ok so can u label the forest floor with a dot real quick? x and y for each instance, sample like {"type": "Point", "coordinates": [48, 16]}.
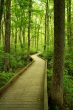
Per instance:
{"type": "Point", "coordinates": [26, 93]}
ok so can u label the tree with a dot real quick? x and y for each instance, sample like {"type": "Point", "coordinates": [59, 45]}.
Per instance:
{"type": "Point", "coordinates": [29, 24]}
{"type": "Point", "coordinates": [1, 13]}
{"type": "Point", "coordinates": [69, 35]}
{"type": "Point", "coordinates": [7, 35]}
{"type": "Point", "coordinates": [58, 67]}
{"type": "Point", "coordinates": [46, 40]}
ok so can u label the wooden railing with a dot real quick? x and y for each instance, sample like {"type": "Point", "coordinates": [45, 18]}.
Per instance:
{"type": "Point", "coordinates": [45, 88]}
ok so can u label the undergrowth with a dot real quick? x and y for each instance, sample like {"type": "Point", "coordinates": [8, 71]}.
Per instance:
{"type": "Point", "coordinates": [5, 77]}
{"type": "Point", "coordinates": [68, 78]}
{"type": "Point", "coordinates": [18, 60]}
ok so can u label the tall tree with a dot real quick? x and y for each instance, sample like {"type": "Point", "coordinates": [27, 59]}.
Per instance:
{"type": "Point", "coordinates": [69, 36]}
{"type": "Point", "coordinates": [58, 68]}
{"type": "Point", "coordinates": [1, 13]}
{"type": "Point", "coordinates": [7, 35]}
{"type": "Point", "coordinates": [46, 40]}
{"type": "Point", "coordinates": [29, 24]}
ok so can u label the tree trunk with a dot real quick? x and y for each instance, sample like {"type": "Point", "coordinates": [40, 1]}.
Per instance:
{"type": "Point", "coordinates": [46, 42]}
{"type": "Point", "coordinates": [7, 35]}
{"type": "Point", "coordinates": [45, 35]}
{"type": "Point", "coordinates": [24, 30]}
{"type": "Point", "coordinates": [20, 38]}
{"type": "Point", "coordinates": [15, 42]}
{"type": "Point", "coordinates": [47, 23]}
{"type": "Point", "coordinates": [2, 34]}
{"type": "Point", "coordinates": [29, 24]}
{"type": "Point", "coordinates": [38, 39]}
{"type": "Point", "coordinates": [35, 35]}
{"type": "Point", "coordinates": [1, 13]}
{"type": "Point", "coordinates": [69, 37]}
{"type": "Point", "coordinates": [58, 68]}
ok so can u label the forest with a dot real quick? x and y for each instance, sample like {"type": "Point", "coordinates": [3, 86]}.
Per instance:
{"type": "Point", "coordinates": [28, 27]}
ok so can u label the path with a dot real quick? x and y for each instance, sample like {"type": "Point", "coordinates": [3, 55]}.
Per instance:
{"type": "Point", "coordinates": [27, 91]}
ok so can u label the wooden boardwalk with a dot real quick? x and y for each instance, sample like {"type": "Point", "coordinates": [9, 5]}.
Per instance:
{"type": "Point", "coordinates": [27, 92]}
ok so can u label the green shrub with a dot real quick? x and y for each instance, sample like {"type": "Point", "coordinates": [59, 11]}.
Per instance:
{"type": "Point", "coordinates": [68, 92]}
{"type": "Point", "coordinates": [13, 62]}
{"type": "Point", "coordinates": [47, 55]}
{"type": "Point", "coordinates": [4, 78]}
{"type": "Point", "coordinates": [17, 59]}
{"type": "Point", "coordinates": [68, 80]}
{"type": "Point", "coordinates": [69, 63]}
{"type": "Point", "coordinates": [68, 89]}
{"type": "Point", "coordinates": [33, 51]}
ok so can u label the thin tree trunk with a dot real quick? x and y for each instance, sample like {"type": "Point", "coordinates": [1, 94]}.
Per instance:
{"type": "Point", "coordinates": [38, 39]}
{"type": "Point", "coordinates": [45, 35]}
{"type": "Point", "coordinates": [69, 37]}
{"type": "Point", "coordinates": [2, 33]}
{"type": "Point", "coordinates": [24, 37]}
{"type": "Point", "coordinates": [15, 39]}
{"type": "Point", "coordinates": [35, 35]}
{"type": "Point", "coordinates": [20, 38]}
{"type": "Point", "coordinates": [29, 24]}
{"type": "Point", "coordinates": [46, 42]}
{"type": "Point", "coordinates": [47, 24]}
{"type": "Point", "coordinates": [1, 13]}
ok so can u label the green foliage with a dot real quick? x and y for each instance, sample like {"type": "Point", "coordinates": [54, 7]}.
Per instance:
{"type": "Point", "coordinates": [69, 63]}
{"type": "Point", "coordinates": [13, 62]}
{"type": "Point", "coordinates": [17, 60]}
{"type": "Point", "coordinates": [68, 79]}
{"type": "Point", "coordinates": [68, 92]}
{"type": "Point", "coordinates": [33, 51]}
{"type": "Point", "coordinates": [68, 89]}
{"type": "Point", "coordinates": [47, 55]}
{"type": "Point", "coordinates": [5, 77]}
{"type": "Point", "coordinates": [1, 59]}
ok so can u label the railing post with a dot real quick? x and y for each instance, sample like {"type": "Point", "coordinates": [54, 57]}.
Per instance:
{"type": "Point", "coordinates": [45, 89]}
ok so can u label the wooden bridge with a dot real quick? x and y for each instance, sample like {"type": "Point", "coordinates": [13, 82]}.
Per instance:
{"type": "Point", "coordinates": [29, 91]}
